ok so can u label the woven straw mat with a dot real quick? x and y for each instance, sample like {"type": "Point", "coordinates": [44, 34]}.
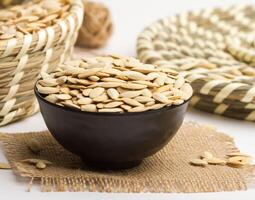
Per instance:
{"type": "Point", "coordinates": [167, 171]}
{"type": "Point", "coordinates": [215, 50]}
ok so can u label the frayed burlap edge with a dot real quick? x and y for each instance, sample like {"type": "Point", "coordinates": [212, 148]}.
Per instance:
{"type": "Point", "coordinates": [77, 181]}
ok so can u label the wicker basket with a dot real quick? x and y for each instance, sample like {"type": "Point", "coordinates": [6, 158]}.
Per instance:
{"type": "Point", "coordinates": [215, 50]}
{"type": "Point", "coordinates": [22, 59]}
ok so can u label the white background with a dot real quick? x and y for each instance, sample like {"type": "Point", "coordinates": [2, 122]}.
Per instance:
{"type": "Point", "coordinates": [130, 17]}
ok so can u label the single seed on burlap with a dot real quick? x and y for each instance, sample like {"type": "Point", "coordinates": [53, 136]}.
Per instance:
{"type": "Point", "coordinates": [198, 162]}
{"type": "Point", "coordinates": [237, 154]}
{"type": "Point", "coordinates": [207, 154]}
{"type": "Point", "coordinates": [34, 161]}
{"type": "Point", "coordinates": [40, 165]}
{"type": "Point", "coordinates": [96, 92]}
{"type": "Point", "coordinates": [34, 145]}
{"type": "Point", "coordinates": [113, 93]}
{"type": "Point", "coordinates": [215, 161]}
{"type": "Point", "coordinates": [239, 161]}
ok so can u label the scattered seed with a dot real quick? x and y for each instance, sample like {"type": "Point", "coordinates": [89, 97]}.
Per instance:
{"type": "Point", "coordinates": [40, 165]}
{"type": "Point", "coordinates": [4, 166]}
{"type": "Point", "coordinates": [198, 162]}
{"type": "Point", "coordinates": [34, 146]}
{"type": "Point", "coordinates": [34, 161]}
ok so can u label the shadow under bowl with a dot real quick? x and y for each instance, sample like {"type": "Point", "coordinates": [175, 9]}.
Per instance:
{"type": "Point", "coordinates": [112, 140]}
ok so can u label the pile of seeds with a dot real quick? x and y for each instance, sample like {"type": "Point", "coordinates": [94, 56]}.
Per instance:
{"type": "Point", "coordinates": [113, 84]}
{"type": "Point", "coordinates": [30, 17]}
{"type": "Point", "coordinates": [235, 159]}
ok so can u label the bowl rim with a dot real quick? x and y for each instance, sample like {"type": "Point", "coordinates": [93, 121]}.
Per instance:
{"type": "Point", "coordinates": [165, 108]}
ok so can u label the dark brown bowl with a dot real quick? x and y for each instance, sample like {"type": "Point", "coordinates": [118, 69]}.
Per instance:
{"type": "Point", "coordinates": [112, 140]}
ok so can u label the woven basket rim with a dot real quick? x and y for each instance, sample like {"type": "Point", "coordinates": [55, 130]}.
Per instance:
{"type": "Point", "coordinates": [239, 90]}
{"type": "Point", "coordinates": [75, 5]}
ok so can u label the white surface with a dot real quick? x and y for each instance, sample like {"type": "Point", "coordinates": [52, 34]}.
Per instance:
{"type": "Point", "coordinates": [130, 17]}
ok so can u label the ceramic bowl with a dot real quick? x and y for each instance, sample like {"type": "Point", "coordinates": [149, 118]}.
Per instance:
{"type": "Point", "coordinates": [112, 140]}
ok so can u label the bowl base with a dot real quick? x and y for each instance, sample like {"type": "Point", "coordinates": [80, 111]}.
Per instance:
{"type": "Point", "coordinates": [111, 165]}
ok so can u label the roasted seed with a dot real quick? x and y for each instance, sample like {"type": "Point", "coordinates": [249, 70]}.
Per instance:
{"type": "Point", "coordinates": [34, 161]}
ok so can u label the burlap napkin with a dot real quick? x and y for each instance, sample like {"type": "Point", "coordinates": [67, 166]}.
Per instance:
{"type": "Point", "coordinates": [167, 171]}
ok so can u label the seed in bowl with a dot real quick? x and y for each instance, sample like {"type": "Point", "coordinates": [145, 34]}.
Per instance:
{"type": "Point", "coordinates": [113, 84]}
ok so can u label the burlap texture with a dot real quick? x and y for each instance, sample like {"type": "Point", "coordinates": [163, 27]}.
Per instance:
{"type": "Point", "coordinates": [167, 171]}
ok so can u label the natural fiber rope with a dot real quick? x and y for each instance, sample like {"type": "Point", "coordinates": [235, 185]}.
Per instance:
{"type": "Point", "coordinates": [22, 59]}
{"type": "Point", "coordinates": [215, 50]}
{"type": "Point", "coordinates": [97, 26]}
